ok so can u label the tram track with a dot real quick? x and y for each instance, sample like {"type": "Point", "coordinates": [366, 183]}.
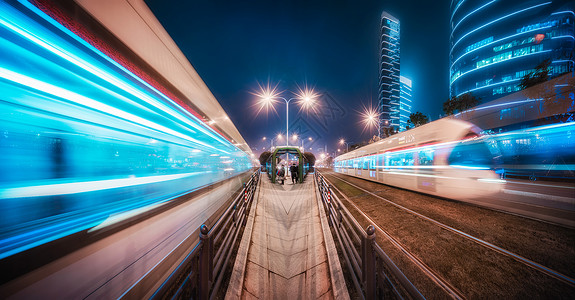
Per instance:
{"type": "Point", "coordinates": [426, 269]}
{"type": "Point", "coordinates": [429, 272]}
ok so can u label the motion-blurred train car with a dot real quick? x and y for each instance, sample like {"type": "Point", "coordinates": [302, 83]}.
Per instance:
{"type": "Point", "coordinates": [447, 158]}
{"type": "Point", "coordinates": [539, 153]}
{"type": "Point", "coordinates": [100, 114]}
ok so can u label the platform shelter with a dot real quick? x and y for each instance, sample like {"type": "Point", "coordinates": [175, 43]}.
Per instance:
{"type": "Point", "coordinates": [277, 152]}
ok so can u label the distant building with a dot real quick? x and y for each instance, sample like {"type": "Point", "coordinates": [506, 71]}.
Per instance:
{"type": "Point", "coordinates": [495, 43]}
{"type": "Point", "coordinates": [389, 98]}
{"type": "Point", "coordinates": [404, 101]}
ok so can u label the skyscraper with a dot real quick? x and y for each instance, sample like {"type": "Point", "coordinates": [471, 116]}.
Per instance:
{"type": "Point", "coordinates": [404, 101]}
{"type": "Point", "coordinates": [495, 43]}
{"type": "Point", "coordinates": [389, 99]}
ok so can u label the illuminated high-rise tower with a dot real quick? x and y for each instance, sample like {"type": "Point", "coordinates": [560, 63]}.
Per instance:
{"type": "Point", "coordinates": [495, 43]}
{"type": "Point", "coordinates": [389, 87]}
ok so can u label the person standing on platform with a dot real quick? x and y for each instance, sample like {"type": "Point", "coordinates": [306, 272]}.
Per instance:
{"type": "Point", "coordinates": [294, 173]}
{"type": "Point", "coordinates": [281, 174]}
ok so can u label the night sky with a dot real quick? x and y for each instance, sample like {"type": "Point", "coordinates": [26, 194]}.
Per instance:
{"type": "Point", "coordinates": [329, 45]}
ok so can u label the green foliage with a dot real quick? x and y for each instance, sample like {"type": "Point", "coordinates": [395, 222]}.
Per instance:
{"type": "Point", "coordinates": [388, 131]}
{"type": "Point", "coordinates": [540, 75]}
{"type": "Point", "coordinates": [459, 104]}
{"type": "Point", "coordinates": [264, 157]}
{"type": "Point", "coordinates": [449, 106]}
{"type": "Point", "coordinates": [417, 119]}
{"type": "Point", "coordinates": [374, 139]}
{"type": "Point", "coordinates": [329, 161]}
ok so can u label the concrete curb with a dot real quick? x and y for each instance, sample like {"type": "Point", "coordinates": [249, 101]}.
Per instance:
{"type": "Point", "coordinates": [236, 284]}
{"type": "Point", "coordinates": [338, 286]}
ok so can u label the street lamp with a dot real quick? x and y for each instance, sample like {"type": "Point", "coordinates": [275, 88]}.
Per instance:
{"type": "Point", "coordinates": [341, 142]}
{"type": "Point", "coordinates": [305, 96]}
{"type": "Point", "coordinates": [295, 136]}
{"type": "Point", "coordinates": [371, 119]}
{"type": "Point", "coordinates": [309, 139]}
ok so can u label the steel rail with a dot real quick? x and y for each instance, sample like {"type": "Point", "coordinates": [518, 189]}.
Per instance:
{"type": "Point", "coordinates": [363, 267]}
{"type": "Point", "coordinates": [430, 273]}
{"type": "Point", "coordinates": [548, 271]}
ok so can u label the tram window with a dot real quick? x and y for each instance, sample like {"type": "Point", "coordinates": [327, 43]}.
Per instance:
{"type": "Point", "coordinates": [474, 155]}
{"type": "Point", "coordinates": [399, 159]}
{"type": "Point", "coordinates": [365, 164]}
{"type": "Point", "coordinates": [372, 162]}
{"type": "Point", "coordinates": [380, 160]}
{"type": "Point", "coordinates": [426, 157]}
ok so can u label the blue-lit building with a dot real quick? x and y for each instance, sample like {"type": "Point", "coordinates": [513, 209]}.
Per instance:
{"type": "Point", "coordinates": [493, 44]}
{"type": "Point", "coordinates": [404, 101]}
{"type": "Point", "coordinates": [389, 84]}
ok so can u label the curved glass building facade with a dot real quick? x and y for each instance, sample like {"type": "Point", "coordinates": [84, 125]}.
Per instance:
{"type": "Point", "coordinates": [494, 43]}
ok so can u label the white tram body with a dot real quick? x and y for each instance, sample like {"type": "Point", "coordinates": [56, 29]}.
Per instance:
{"type": "Point", "coordinates": [446, 158]}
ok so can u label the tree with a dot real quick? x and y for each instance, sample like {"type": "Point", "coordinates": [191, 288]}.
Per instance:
{"type": "Point", "coordinates": [466, 101]}
{"type": "Point", "coordinates": [539, 75]}
{"type": "Point", "coordinates": [459, 104]}
{"type": "Point", "coordinates": [329, 161]}
{"type": "Point", "coordinates": [417, 119]}
{"type": "Point", "coordinates": [374, 139]}
{"type": "Point", "coordinates": [310, 158]}
{"type": "Point", "coordinates": [264, 157]}
{"type": "Point", "coordinates": [388, 131]}
{"type": "Point", "coordinates": [449, 106]}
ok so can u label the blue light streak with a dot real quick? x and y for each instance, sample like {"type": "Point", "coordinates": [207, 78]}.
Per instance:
{"type": "Point", "coordinates": [495, 63]}
{"type": "Point", "coordinates": [474, 11]}
{"type": "Point", "coordinates": [84, 138]}
{"type": "Point", "coordinates": [495, 42]}
{"type": "Point", "coordinates": [126, 72]}
{"type": "Point", "coordinates": [454, 10]}
{"type": "Point", "coordinates": [495, 21]}
{"type": "Point", "coordinates": [509, 81]}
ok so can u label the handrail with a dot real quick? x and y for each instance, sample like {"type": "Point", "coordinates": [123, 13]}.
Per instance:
{"type": "Point", "coordinates": [372, 272]}
{"type": "Point", "coordinates": [202, 271]}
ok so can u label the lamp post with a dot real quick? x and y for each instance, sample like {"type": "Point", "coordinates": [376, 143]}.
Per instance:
{"type": "Point", "coordinates": [371, 119]}
{"type": "Point", "coordinates": [302, 140]}
{"type": "Point", "coordinates": [309, 139]}
{"type": "Point", "coordinates": [341, 142]}
{"type": "Point", "coordinates": [305, 96]}
{"type": "Point", "coordinates": [277, 137]}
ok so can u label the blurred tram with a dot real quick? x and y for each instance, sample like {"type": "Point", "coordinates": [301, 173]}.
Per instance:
{"type": "Point", "coordinates": [539, 153]}
{"type": "Point", "coordinates": [447, 158]}
{"type": "Point", "coordinates": [93, 125]}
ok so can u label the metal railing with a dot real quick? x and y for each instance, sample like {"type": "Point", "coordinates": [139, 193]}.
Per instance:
{"type": "Point", "coordinates": [372, 272]}
{"type": "Point", "coordinates": [200, 274]}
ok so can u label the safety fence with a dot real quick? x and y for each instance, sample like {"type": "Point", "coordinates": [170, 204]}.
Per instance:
{"type": "Point", "coordinates": [200, 274]}
{"type": "Point", "coordinates": [372, 273]}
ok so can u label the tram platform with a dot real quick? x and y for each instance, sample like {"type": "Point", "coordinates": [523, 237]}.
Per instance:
{"type": "Point", "coordinates": [287, 250]}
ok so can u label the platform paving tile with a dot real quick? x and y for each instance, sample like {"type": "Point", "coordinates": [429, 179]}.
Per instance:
{"type": "Point", "coordinates": [259, 234]}
{"type": "Point", "coordinates": [287, 257]}
{"type": "Point", "coordinates": [315, 256]}
{"type": "Point", "coordinates": [287, 232]}
{"type": "Point", "coordinates": [246, 295]}
{"type": "Point", "coordinates": [257, 280]}
{"type": "Point", "coordinates": [287, 266]}
{"type": "Point", "coordinates": [282, 288]}
{"type": "Point", "coordinates": [287, 247]}
{"type": "Point", "coordinates": [314, 238]}
{"type": "Point", "coordinates": [316, 282]}
{"type": "Point", "coordinates": [259, 255]}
